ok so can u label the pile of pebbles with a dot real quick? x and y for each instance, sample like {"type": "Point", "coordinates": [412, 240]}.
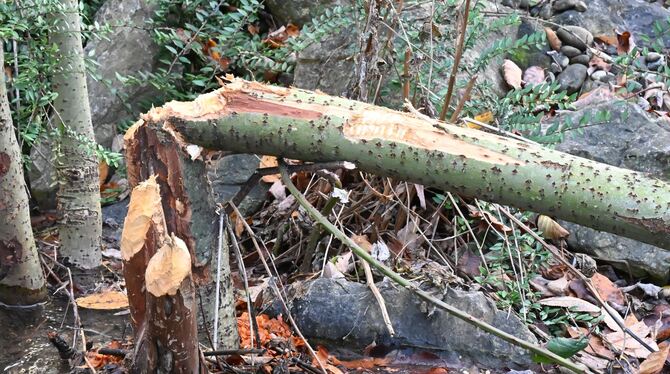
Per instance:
{"type": "Point", "coordinates": [572, 64]}
{"type": "Point", "coordinates": [546, 9]}
{"type": "Point", "coordinates": [572, 60]}
{"type": "Point", "coordinates": [571, 56]}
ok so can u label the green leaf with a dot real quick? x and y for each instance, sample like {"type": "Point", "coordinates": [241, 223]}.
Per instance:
{"type": "Point", "coordinates": [564, 347]}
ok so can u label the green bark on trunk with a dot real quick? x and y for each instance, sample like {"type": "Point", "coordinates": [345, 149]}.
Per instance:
{"type": "Point", "coordinates": [21, 278]}
{"type": "Point", "coordinates": [255, 118]}
{"type": "Point", "coordinates": [78, 196]}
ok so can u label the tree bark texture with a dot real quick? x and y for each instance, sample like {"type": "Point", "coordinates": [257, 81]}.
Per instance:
{"type": "Point", "coordinates": [190, 214]}
{"type": "Point", "coordinates": [78, 196]}
{"type": "Point", "coordinates": [161, 292]}
{"type": "Point", "coordinates": [21, 278]}
{"type": "Point", "coordinates": [251, 117]}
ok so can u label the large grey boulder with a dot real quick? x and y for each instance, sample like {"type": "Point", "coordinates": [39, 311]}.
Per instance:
{"type": "Point", "coordinates": [300, 12]}
{"type": "Point", "coordinates": [347, 314]}
{"type": "Point", "coordinates": [229, 174]}
{"type": "Point", "coordinates": [128, 49]}
{"type": "Point", "coordinates": [605, 16]}
{"type": "Point", "coordinates": [633, 140]}
{"type": "Point", "coordinates": [329, 65]}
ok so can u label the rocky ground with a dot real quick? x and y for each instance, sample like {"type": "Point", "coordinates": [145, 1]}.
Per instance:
{"type": "Point", "coordinates": [583, 40]}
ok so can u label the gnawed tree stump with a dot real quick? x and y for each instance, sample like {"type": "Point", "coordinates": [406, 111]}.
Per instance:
{"type": "Point", "coordinates": [250, 117]}
{"type": "Point", "coordinates": [161, 291]}
{"type": "Point", "coordinates": [190, 213]}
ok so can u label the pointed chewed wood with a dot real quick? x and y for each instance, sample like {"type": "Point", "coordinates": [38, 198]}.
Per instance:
{"type": "Point", "coordinates": [144, 208]}
{"type": "Point", "coordinates": [168, 268]}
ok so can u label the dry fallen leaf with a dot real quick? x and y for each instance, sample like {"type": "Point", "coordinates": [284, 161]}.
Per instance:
{"type": "Point", "coordinates": [367, 363]}
{"type": "Point", "coordinates": [597, 63]}
{"type": "Point", "coordinates": [595, 345]}
{"type": "Point", "coordinates": [550, 228]}
{"type": "Point", "coordinates": [268, 328]}
{"type": "Point", "coordinates": [655, 361]}
{"type": "Point", "coordinates": [238, 223]}
{"type": "Point", "coordinates": [607, 39]}
{"type": "Point", "coordinates": [559, 286]}
{"type": "Point", "coordinates": [106, 300]}
{"type": "Point", "coordinates": [269, 162]}
{"type": "Point", "coordinates": [621, 341]}
{"type": "Point", "coordinates": [330, 271]}
{"type": "Point", "coordinates": [486, 219]}
{"type": "Point", "coordinates": [486, 117]}
{"type": "Point", "coordinates": [625, 42]}
{"type": "Point", "coordinates": [278, 190]}
{"type": "Point", "coordinates": [512, 74]}
{"type": "Point", "coordinates": [533, 75]}
{"type": "Point", "coordinates": [554, 42]}
{"type": "Point", "coordinates": [277, 38]}
{"type": "Point", "coordinates": [608, 290]}
{"type": "Point", "coordinates": [103, 170]}
{"type": "Point", "coordinates": [575, 304]}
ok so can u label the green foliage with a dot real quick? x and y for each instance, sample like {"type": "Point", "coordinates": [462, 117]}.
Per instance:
{"type": "Point", "coordinates": [563, 347]}
{"type": "Point", "coordinates": [25, 30]}
{"type": "Point", "coordinates": [202, 39]}
{"type": "Point", "coordinates": [512, 260]}
{"type": "Point", "coordinates": [522, 110]}
{"type": "Point", "coordinates": [199, 39]}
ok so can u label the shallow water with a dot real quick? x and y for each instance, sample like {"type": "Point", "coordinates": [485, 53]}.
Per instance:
{"type": "Point", "coordinates": [24, 347]}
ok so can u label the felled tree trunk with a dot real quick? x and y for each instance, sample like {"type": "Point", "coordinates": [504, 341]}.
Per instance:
{"type": "Point", "coordinates": [78, 196]}
{"type": "Point", "coordinates": [161, 293]}
{"type": "Point", "coordinates": [252, 117]}
{"type": "Point", "coordinates": [190, 214]}
{"type": "Point", "coordinates": [21, 278]}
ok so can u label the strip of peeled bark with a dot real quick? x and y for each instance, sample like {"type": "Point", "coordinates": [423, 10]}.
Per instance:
{"type": "Point", "coordinates": [21, 278]}
{"type": "Point", "coordinates": [78, 196]}
{"type": "Point", "coordinates": [252, 117]}
{"type": "Point", "coordinates": [161, 292]}
{"type": "Point", "coordinates": [190, 213]}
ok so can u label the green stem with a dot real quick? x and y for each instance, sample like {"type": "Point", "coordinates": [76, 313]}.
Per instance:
{"type": "Point", "coordinates": [407, 284]}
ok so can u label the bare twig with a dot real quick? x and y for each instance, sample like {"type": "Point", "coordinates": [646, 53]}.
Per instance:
{"type": "Point", "coordinates": [464, 99]}
{"type": "Point", "coordinates": [256, 177]}
{"type": "Point", "coordinates": [457, 61]}
{"type": "Point", "coordinates": [243, 271]}
{"type": "Point", "coordinates": [405, 75]}
{"type": "Point", "coordinates": [375, 291]}
{"type": "Point", "coordinates": [217, 292]}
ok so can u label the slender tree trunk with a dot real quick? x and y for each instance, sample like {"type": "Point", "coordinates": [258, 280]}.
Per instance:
{"type": "Point", "coordinates": [190, 214]}
{"type": "Point", "coordinates": [21, 278]}
{"type": "Point", "coordinates": [78, 197]}
{"type": "Point", "coordinates": [250, 117]}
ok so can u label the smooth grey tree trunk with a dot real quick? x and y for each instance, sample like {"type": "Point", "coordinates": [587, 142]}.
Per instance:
{"type": "Point", "coordinates": [78, 197]}
{"type": "Point", "coordinates": [21, 278]}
